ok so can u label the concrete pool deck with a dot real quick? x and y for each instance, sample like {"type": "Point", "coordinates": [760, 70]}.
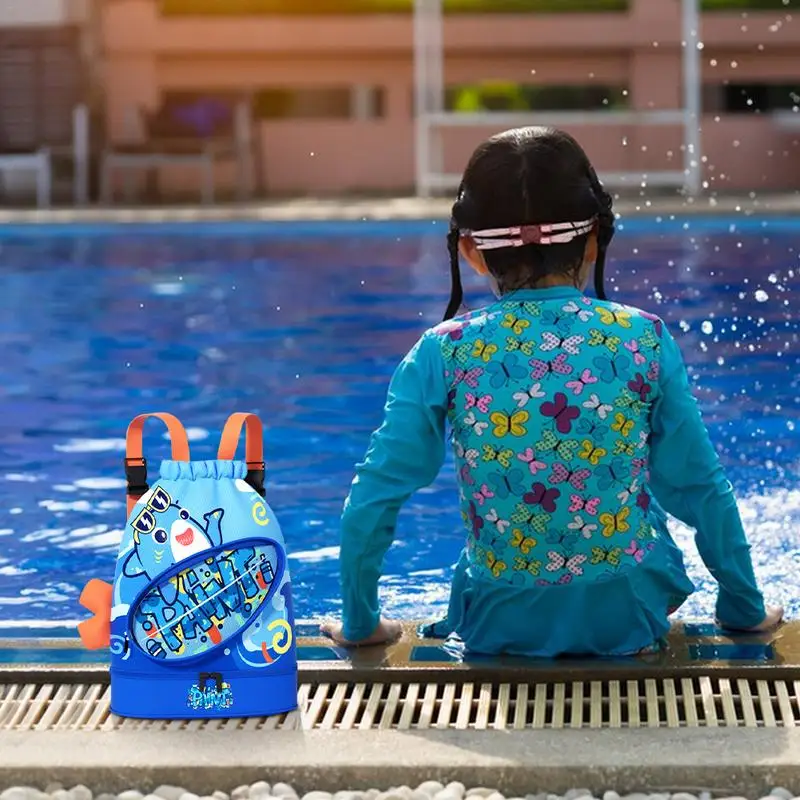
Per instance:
{"type": "Point", "coordinates": [392, 208]}
{"type": "Point", "coordinates": [716, 712]}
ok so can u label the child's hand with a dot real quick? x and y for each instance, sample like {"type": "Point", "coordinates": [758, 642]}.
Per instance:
{"type": "Point", "coordinates": [387, 631]}
{"type": "Point", "coordinates": [773, 618]}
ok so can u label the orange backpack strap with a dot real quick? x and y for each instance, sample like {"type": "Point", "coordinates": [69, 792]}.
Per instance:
{"type": "Point", "coordinates": [135, 462]}
{"type": "Point", "coordinates": [254, 447]}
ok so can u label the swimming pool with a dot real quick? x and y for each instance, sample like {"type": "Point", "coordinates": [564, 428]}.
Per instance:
{"type": "Point", "coordinates": [304, 323]}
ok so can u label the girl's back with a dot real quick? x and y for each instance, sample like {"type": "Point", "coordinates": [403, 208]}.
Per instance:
{"type": "Point", "coordinates": [550, 396]}
{"type": "Point", "coordinates": [574, 429]}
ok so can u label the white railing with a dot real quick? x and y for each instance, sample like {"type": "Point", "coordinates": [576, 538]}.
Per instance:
{"type": "Point", "coordinates": [432, 118]}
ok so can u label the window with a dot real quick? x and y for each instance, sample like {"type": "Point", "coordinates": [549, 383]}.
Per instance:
{"type": "Point", "coordinates": [751, 98]}
{"type": "Point", "coordinates": [502, 96]}
{"type": "Point", "coordinates": [348, 102]}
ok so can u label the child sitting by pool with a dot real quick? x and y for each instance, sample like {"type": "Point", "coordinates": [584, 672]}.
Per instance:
{"type": "Point", "coordinates": [574, 430]}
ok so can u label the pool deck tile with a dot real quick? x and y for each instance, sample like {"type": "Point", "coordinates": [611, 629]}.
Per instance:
{"type": "Point", "coordinates": [693, 648]}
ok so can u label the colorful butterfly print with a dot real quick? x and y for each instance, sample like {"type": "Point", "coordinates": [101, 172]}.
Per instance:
{"type": "Point", "coordinates": [592, 428]}
{"type": "Point", "coordinates": [615, 523]}
{"type": "Point", "coordinates": [515, 324]}
{"type": "Point", "coordinates": [611, 555]}
{"type": "Point", "coordinates": [561, 321]}
{"type": "Point", "coordinates": [540, 495]}
{"type": "Point", "coordinates": [643, 500]}
{"type": "Point", "coordinates": [648, 340]}
{"type": "Point", "coordinates": [534, 393]}
{"type": "Point", "coordinates": [623, 425]}
{"type": "Point", "coordinates": [564, 579]}
{"type": "Point", "coordinates": [471, 421]}
{"type": "Point", "coordinates": [640, 387]}
{"type": "Point", "coordinates": [638, 464]}
{"type": "Point", "coordinates": [576, 479]}
{"type": "Point", "coordinates": [471, 457]}
{"type": "Point", "coordinates": [524, 515]}
{"type": "Point", "coordinates": [526, 348]}
{"type": "Point", "coordinates": [560, 412]}
{"type": "Point", "coordinates": [449, 327]}
{"type": "Point", "coordinates": [531, 308]}
{"type": "Point", "coordinates": [475, 520]}
{"type": "Point", "coordinates": [627, 400]}
{"type": "Point", "coordinates": [513, 423]}
{"type": "Point", "coordinates": [565, 539]}
{"type": "Point", "coordinates": [645, 531]}
{"type": "Point", "coordinates": [484, 351]}
{"type": "Point", "coordinates": [466, 475]}
{"type": "Point", "coordinates": [457, 352]}
{"type": "Point", "coordinates": [600, 339]}
{"type": "Point", "coordinates": [591, 454]}
{"type": "Point", "coordinates": [623, 448]}
{"type": "Point", "coordinates": [523, 565]}
{"type": "Point", "coordinates": [584, 315]}
{"type": "Point", "coordinates": [582, 527]}
{"type": "Point", "coordinates": [633, 549]}
{"type": "Point", "coordinates": [565, 449]}
{"type": "Point", "coordinates": [653, 371]}
{"type": "Point", "coordinates": [483, 404]}
{"type": "Point", "coordinates": [500, 524]}
{"type": "Point", "coordinates": [491, 453]}
{"type": "Point", "coordinates": [614, 317]}
{"type": "Point", "coordinates": [633, 347]}
{"type": "Point", "coordinates": [496, 567]}
{"type": "Point", "coordinates": [644, 438]}
{"type": "Point", "coordinates": [612, 474]}
{"type": "Point", "coordinates": [470, 376]}
{"type": "Point", "coordinates": [506, 370]}
{"type": "Point", "coordinates": [579, 384]}
{"type": "Point", "coordinates": [529, 457]}
{"type": "Point", "coordinates": [521, 541]}
{"type": "Point", "coordinates": [510, 484]}
{"type": "Point", "coordinates": [657, 323]}
{"type": "Point", "coordinates": [579, 503]}
{"type": "Point", "coordinates": [611, 368]}
{"type": "Point", "coordinates": [559, 561]}
{"type": "Point", "coordinates": [571, 344]}
{"type": "Point", "coordinates": [601, 409]}
{"type": "Point", "coordinates": [543, 369]}
{"type": "Point", "coordinates": [484, 494]}
{"type": "Point", "coordinates": [626, 494]}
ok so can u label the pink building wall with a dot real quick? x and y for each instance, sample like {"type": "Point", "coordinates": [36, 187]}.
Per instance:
{"type": "Point", "coordinates": [146, 55]}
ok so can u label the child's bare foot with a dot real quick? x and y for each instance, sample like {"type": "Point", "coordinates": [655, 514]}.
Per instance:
{"type": "Point", "coordinates": [772, 620]}
{"type": "Point", "coordinates": [387, 631]}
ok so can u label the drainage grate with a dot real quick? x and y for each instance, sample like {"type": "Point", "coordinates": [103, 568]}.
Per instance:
{"type": "Point", "coordinates": [649, 703]}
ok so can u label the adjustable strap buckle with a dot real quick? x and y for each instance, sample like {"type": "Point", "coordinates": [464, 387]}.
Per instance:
{"type": "Point", "coordinates": [255, 477]}
{"type": "Point", "coordinates": [136, 476]}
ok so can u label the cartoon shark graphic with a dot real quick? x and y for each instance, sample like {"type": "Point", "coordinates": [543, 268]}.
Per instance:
{"type": "Point", "coordinates": [176, 536]}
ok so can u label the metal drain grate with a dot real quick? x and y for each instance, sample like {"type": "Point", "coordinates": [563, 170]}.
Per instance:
{"type": "Point", "coordinates": [649, 703]}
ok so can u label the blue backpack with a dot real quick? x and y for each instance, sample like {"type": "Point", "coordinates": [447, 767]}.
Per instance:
{"type": "Point", "coordinates": [199, 619]}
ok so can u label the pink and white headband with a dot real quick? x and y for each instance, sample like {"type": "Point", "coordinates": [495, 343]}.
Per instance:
{"type": "Point", "coordinates": [555, 233]}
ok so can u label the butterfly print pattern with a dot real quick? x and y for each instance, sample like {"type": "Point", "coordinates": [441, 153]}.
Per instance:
{"type": "Point", "coordinates": [549, 404]}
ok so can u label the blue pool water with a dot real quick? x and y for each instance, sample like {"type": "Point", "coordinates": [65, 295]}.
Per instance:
{"type": "Point", "coordinates": [304, 324]}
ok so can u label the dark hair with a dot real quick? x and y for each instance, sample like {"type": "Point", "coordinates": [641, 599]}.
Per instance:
{"type": "Point", "coordinates": [522, 177]}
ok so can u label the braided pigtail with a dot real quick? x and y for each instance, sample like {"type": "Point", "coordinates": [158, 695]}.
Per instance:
{"type": "Point", "coordinates": [605, 233]}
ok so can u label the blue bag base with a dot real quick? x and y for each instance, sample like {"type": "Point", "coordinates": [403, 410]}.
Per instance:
{"type": "Point", "coordinates": [236, 695]}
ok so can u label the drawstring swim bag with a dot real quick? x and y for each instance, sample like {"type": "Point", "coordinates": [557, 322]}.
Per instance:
{"type": "Point", "coordinates": [199, 620]}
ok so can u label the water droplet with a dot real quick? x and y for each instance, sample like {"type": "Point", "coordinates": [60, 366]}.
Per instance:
{"type": "Point", "coordinates": [707, 327]}
{"type": "Point", "coordinates": [761, 296]}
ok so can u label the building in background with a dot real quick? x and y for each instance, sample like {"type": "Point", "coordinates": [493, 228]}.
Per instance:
{"type": "Point", "coordinates": [46, 47]}
{"type": "Point", "coordinates": [331, 96]}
